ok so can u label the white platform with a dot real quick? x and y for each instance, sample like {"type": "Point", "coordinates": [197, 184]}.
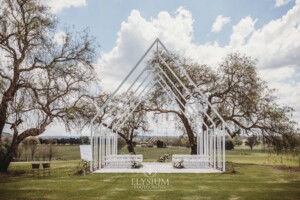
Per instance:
{"type": "Point", "coordinates": [156, 167]}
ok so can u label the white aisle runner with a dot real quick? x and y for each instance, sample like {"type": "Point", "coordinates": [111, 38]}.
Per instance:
{"type": "Point", "coordinates": [156, 167]}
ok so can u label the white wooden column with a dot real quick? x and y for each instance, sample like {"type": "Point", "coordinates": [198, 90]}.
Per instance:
{"type": "Point", "coordinates": [219, 150]}
{"type": "Point", "coordinates": [211, 152]}
{"type": "Point", "coordinates": [204, 143]}
{"type": "Point", "coordinates": [198, 145]}
{"type": "Point", "coordinates": [116, 144]}
{"type": "Point", "coordinates": [103, 149]}
{"type": "Point", "coordinates": [107, 144]}
{"type": "Point", "coordinates": [207, 142]}
{"type": "Point", "coordinates": [223, 136]}
{"type": "Point", "coordinates": [99, 151]}
{"type": "Point", "coordinates": [113, 144]}
{"type": "Point", "coordinates": [94, 150]}
{"type": "Point", "coordinates": [214, 147]}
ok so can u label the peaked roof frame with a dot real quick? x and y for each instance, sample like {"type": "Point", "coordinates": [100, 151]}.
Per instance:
{"type": "Point", "coordinates": [157, 76]}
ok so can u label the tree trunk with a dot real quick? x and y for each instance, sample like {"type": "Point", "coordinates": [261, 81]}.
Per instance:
{"type": "Point", "coordinates": [4, 163]}
{"type": "Point", "coordinates": [190, 134]}
{"type": "Point", "coordinates": [194, 149]}
{"type": "Point", "coordinates": [3, 110]}
{"type": "Point", "coordinates": [130, 147]}
{"type": "Point", "coordinates": [7, 97]}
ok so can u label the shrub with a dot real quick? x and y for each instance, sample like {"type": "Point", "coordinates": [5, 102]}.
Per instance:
{"type": "Point", "coordinates": [252, 141]}
{"type": "Point", "coordinates": [160, 144]}
{"type": "Point", "coordinates": [229, 145]}
{"type": "Point", "coordinates": [4, 145]}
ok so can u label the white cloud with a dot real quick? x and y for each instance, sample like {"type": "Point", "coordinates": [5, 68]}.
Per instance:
{"type": "Point", "coordinates": [276, 45]}
{"type": "Point", "coordinates": [219, 23]}
{"type": "Point", "coordinates": [278, 74]}
{"type": "Point", "coordinates": [135, 36]}
{"type": "Point", "coordinates": [58, 5]}
{"type": "Point", "coordinates": [241, 31]}
{"type": "Point", "coordinates": [279, 3]}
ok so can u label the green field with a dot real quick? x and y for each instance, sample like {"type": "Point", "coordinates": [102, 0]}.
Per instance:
{"type": "Point", "coordinates": [255, 177]}
{"type": "Point", "coordinates": [241, 154]}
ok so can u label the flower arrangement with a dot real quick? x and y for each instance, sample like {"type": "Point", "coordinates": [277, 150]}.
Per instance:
{"type": "Point", "coordinates": [82, 168]}
{"type": "Point", "coordinates": [178, 164]}
{"type": "Point", "coordinates": [136, 164]}
{"type": "Point", "coordinates": [164, 158]}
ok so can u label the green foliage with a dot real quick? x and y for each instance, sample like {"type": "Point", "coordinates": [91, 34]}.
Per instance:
{"type": "Point", "coordinates": [252, 141]}
{"type": "Point", "coordinates": [285, 143]}
{"type": "Point", "coordinates": [230, 168]}
{"type": "Point", "coordinates": [178, 142]}
{"type": "Point", "coordinates": [229, 145]}
{"type": "Point", "coordinates": [160, 144]}
{"type": "Point", "coordinates": [121, 143]}
{"type": "Point", "coordinates": [237, 141]}
{"type": "Point", "coordinates": [4, 145]}
{"type": "Point", "coordinates": [48, 82]}
{"type": "Point", "coordinates": [82, 168]}
{"type": "Point", "coordinates": [31, 144]}
{"type": "Point", "coordinates": [237, 92]}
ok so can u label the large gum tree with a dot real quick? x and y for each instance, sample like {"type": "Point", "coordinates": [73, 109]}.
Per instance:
{"type": "Point", "coordinates": [235, 90]}
{"type": "Point", "coordinates": [41, 81]}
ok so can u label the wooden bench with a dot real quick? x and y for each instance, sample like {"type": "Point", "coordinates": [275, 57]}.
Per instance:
{"type": "Point", "coordinates": [192, 161]}
{"type": "Point", "coordinates": [122, 161]}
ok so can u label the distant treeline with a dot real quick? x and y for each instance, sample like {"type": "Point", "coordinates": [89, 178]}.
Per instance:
{"type": "Point", "coordinates": [67, 141]}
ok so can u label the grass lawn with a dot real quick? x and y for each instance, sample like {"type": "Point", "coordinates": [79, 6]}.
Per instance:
{"type": "Point", "coordinates": [241, 154]}
{"type": "Point", "coordinates": [258, 155]}
{"type": "Point", "coordinates": [253, 180]}
{"type": "Point", "coordinates": [67, 152]}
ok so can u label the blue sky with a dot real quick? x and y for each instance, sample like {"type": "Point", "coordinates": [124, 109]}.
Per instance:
{"type": "Point", "coordinates": [267, 30]}
{"type": "Point", "coordinates": [104, 18]}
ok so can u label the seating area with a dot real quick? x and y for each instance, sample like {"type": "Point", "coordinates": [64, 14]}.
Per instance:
{"type": "Point", "coordinates": [192, 161]}
{"type": "Point", "coordinates": [127, 161]}
{"type": "Point", "coordinates": [122, 161]}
